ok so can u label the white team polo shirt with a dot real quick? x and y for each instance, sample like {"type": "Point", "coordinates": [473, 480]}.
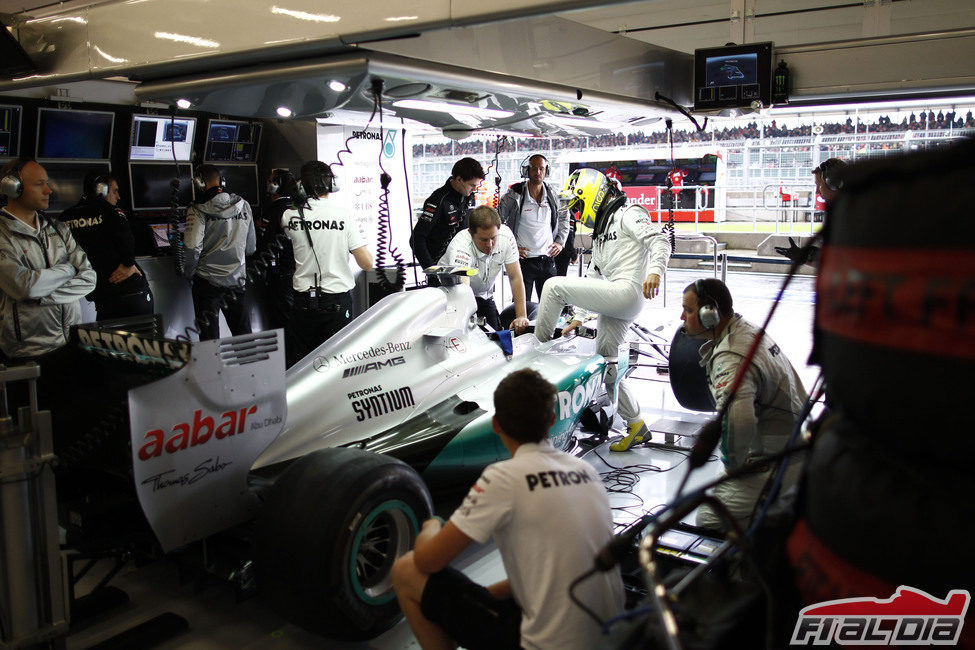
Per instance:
{"type": "Point", "coordinates": [535, 225]}
{"type": "Point", "coordinates": [549, 515]}
{"type": "Point", "coordinates": [333, 234]}
{"type": "Point", "coordinates": [462, 252]}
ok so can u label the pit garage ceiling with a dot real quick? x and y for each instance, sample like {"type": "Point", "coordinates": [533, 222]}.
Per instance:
{"type": "Point", "coordinates": [835, 48]}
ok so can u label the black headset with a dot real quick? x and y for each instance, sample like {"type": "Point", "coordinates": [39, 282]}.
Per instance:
{"type": "Point", "coordinates": [280, 178]}
{"type": "Point", "coordinates": [708, 313]}
{"type": "Point", "coordinates": [317, 179]}
{"type": "Point", "coordinates": [525, 168]}
{"type": "Point", "coordinates": [200, 183]}
{"type": "Point", "coordinates": [11, 185]}
{"type": "Point", "coordinates": [830, 171]}
{"type": "Point", "coordinates": [100, 186]}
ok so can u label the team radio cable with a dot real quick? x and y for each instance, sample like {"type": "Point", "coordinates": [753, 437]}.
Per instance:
{"type": "Point", "coordinates": [383, 225]}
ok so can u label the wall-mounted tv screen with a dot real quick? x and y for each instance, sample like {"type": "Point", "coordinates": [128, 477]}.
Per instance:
{"type": "Point", "coordinates": [157, 137]}
{"type": "Point", "coordinates": [10, 131]}
{"type": "Point", "coordinates": [151, 185]}
{"type": "Point", "coordinates": [68, 182]}
{"type": "Point", "coordinates": [231, 141]}
{"type": "Point", "coordinates": [242, 180]}
{"type": "Point", "coordinates": [734, 76]}
{"type": "Point", "coordinates": [76, 135]}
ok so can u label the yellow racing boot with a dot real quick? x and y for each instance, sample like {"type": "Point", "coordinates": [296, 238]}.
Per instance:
{"type": "Point", "coordinates": [636, 434]}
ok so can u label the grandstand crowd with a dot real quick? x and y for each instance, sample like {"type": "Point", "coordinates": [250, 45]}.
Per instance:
{"type": "Point", "coordinates": [926, 120]}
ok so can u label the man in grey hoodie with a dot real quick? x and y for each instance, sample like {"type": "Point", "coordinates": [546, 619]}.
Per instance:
{"type": "Point", "coordinates": [219, 235]}
{"type": "Point", "coordinates": [43, 271]}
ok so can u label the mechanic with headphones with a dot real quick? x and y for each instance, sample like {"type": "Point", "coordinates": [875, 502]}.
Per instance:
{"type": "Point", "coordinates": [532, 211]}
{"type": "Point", "coordinates": [102, 229]}
{"type": "Point", "coordinates": [219, 235]}
{"type": "Point", "coordinates": [43, 271]}
{"type": "Point", "coordinates": [445, 212]}
{"type": "Point", "coordinates": [323, 235]}
{"type": "Point", "coordinates": [629, 256]}
{"type": "Point", "coordinates": [764, 409]}
{"type": "Point", "coordinates": [282, 188]}
{"type": "Point", "coordinates": [829, 182]}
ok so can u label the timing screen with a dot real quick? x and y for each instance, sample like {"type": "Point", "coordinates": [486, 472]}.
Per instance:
{"type": "Point", "coordinates": [160, 138]}
{"type": "Point", "coordinates": [732, 77]}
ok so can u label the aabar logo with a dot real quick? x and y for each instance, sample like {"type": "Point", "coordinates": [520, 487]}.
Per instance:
{"type": "Point", "coordinates": [197, 432]}
{"type": "Point", "coordinates": [909, 617]}
{"type": "Point", "coordinates": [571, 402]}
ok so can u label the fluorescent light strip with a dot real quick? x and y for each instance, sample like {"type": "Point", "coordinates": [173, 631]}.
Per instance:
{"type": "Point", "coordinates": [182, 38]}
{"type": "Point", "coordinates": [304, 15]}
{"type": "Point", "coordinates": [455, 109]}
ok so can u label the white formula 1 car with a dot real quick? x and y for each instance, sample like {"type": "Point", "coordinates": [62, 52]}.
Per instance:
{"type": "Point", "coordinates": [329, 467]}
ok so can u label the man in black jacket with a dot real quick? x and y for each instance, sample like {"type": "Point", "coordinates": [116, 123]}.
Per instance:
{"type": "Point", "coordinates": [101, 228]}
{"type": "Point", "coordinates": [531, 209]}
{"type": "Point", "coordinates": [281, 189]}
{"type": "Point", "coordinates": [445, 212]}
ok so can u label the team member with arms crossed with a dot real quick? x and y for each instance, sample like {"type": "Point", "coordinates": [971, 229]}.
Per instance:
{"type": "Point", "coordinates": [43, 271]}
{"type": "Point", "coordinates": [102, 229]}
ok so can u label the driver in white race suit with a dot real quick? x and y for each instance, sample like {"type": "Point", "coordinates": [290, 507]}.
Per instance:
{"type": "Point", "coordinates": [629, 256]}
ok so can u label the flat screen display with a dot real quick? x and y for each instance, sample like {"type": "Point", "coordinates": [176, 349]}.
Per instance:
{"type": "Point", "coordinates": [157, 137]}
{"type": "Point", "coordinates": [733, 77]}
{"type": "Point", "coordinates": [242, 180]}
{"type": "Point", "coordinates": [75, 135]}
{"type": "Point", "coordinates": [151, 188]}
{"type": "Point", "coordinates": [68, 182]}
{"type": "Point", "coordinates": [10, 131]}
{"type": "Point", "coordinates": [231, 141]}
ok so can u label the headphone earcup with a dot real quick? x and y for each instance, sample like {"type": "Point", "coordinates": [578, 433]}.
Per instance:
{"type": "Point", "coordinates": [101, 189]}
{"type": "Point", "coordinates": [709, 317]}
{"type": "Point", "coordinates": [11, 186]}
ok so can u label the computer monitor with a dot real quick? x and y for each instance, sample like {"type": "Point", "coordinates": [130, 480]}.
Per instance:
{"type": "Point", "coordinates": [10, 131]}
{"type": "Point", "coordinates": [242, 180]}
{"type": "Point", "coordinates": [157, 137]}
{"type": "Point", "coordinates": [734, 76]}
{"type": "Point", "coordinates": [232, 141]}
{"type": "Point", "coordinates": [74, 135]}
{"type": "Point", "coordinates": [151, 185]}
{"type": "Point", "coordinates": [68, 181]}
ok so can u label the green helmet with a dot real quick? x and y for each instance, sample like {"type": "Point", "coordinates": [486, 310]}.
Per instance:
{"type": "Point", "coordinates": [586, 190]}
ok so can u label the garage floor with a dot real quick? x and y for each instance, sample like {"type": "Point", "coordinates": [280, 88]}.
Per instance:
{"type": "Point", "coordinates": [217, 621]}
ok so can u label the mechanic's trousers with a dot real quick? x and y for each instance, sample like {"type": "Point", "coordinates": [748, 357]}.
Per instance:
{"type": "Point", "coordinates": [741, 494]}
{"type": "Point", "coordinates": [617, 303]}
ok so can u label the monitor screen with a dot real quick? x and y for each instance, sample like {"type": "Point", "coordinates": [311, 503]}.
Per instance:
{"type": "Point", "coordinates": [68, 182]}
{"type": "Point", "coordinates": [734, 76]}
{"type": "Point", "coordinates": [157, 137]}
{"type": "Point", "coordinates": [151, 188]}
{"type": "Point", "coordinates": [10, 131]}
{"type": "Point", "coordinates": [242, 180]}
{"type": "Point", "coordinates": [230, 141]}
{"type": "Point", "coordinates": [78, 135]}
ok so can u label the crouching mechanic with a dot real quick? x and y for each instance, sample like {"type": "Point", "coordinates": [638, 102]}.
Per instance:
{"type": "Point", "coordinates": [549, 515]}
{"type": "Point", "coordinates": [487, 245]}
{"type": "Point", "coordinates": [763, 411]}
{"type": "Point", "coordinates": [621, 274]}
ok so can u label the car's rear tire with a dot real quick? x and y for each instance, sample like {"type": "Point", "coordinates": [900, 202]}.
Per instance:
{"type": "Point", "coordinates": [328, 533]}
